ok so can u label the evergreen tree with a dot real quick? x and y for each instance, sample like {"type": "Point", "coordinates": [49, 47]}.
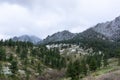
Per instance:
{"type": "Point", "coordinates": [93, 64]}
{"type": "Point", "coordinates": [99, 60]}
{"type": "Point", "coordinates": [14, 67]}
{"type": "Point", "coordinates": [1, 69]}
{"type": "Point", "coordinates": [1, 42]}
{"type": "Point", "coordinates": [18, 49]}
{"type": "Point", "coordinates": [2, 54]}
{"type": "Point", "coordinates": [39, 68]}
{"type": "Point", "coordinates": [74, 70]}
{"type": "Point", "coordinates": [10, 57]}
{"type": "Point", "coordinates": [10, 43]}
{"type": "Point", "coordinates": [105, 60]}
{"type": "Point", "coordinates": [119, 61]}
{"type": "Point", "coordinates": [24, 53]}
{"type": "Point", "coordinates": [83, 67]}
{"type": "Point", "coordinates": [118, 55]}
{"type": "Point", "coordinates": [70, 72]}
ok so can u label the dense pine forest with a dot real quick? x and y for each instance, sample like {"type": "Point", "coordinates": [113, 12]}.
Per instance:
{"type": "Point", "coordinates": [25, 61]}
{"type": "Point", "coordinates": [26, 58]}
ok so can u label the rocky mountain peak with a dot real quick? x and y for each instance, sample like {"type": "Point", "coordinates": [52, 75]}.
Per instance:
{"type": "Point", "coordinates": [59, 36]}
{"type": "Point", "coordinates": [27, 38]}
{"type": "Point", "coordinates": [109, 29]}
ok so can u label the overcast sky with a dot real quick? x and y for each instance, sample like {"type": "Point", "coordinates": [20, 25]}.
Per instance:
{"type": "Point", "coordinates": [45, 17]}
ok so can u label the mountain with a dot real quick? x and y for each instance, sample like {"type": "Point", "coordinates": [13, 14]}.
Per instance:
{"type": "Point", "coordinates": [26, 38]}
{"type": "Point", "coordinates": [90, 34]}
{"type": "Point", "coordinates": [104, 31]}
{"type": "Point", "coordinates": [59, 36]}
{"type": "Point", "coordinates": [109, 29]}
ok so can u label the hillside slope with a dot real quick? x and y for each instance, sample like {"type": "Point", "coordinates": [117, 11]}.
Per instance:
{"type": "Point", "coordinates": [27, 38]}
{"type": "Point", "coordinates": [59, 36]}
{"type": "Point", "coordinates": [109, 29]}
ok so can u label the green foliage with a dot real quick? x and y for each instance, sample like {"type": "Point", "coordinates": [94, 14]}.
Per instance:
{"type": "Point", "coordinates": [52, 58]}
{"type": "Point", "coordinates": [84, 67]}
{"type": "Point", "coordinates": [118, 55]}
{"type": "Point", "coordinates": [93, 64]}
{"type": "Point", "coordinates": [24, 53]}
{"type": "Point", "coordinates": [18, 49]}
{"type": "Point", "coordinates": [34, 57]}
{"type": "Point", "coordinates": [119, 61]}
{"type": "Point", "coordinates": [74, 70]}
{"type": "Point", "coordinates": [1, 69]}
{"type": "Point", "coordinates": [2, 54]}
{"type": "Point", "coordinates": [89, 62]}
{"type": "Point", "coordinates": [10, 58]}
{"type": "Point", "coordinates": [39, 68]}
{"type": "Point", "coordinates": [105, 60]}
{"type": "Point", "coordinates": [70, 71]}
{"type": "Point", "coordinates": [14, 67]}
{"type": "Point", "coordinates": [94, 61]}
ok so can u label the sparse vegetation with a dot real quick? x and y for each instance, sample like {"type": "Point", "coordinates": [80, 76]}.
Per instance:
{"type": "Point", "coordinates": [23, 60]}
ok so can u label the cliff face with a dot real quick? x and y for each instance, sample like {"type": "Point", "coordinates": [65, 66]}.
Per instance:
{"type": "Point", "coordinates": [59, 36]}
{"type": "Point", "coordinates": [109, 29]}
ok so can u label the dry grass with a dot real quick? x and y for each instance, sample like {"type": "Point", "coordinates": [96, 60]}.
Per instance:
{"type": "Point", "coordinates": [110, 76]}
{"type": "Point", "coordinates": [111, 72]}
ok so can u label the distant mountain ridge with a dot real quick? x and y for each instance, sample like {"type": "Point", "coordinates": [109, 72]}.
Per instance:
{"type": "Point", "coordinates": [90, 34]}
{"type": "Point", "coordinates": [59, 36]}
{"type": "Point", "coordinates": [104, 31]}
{"type": "Point", "coordinates": [109, 29]}
{"type": "Point", "coordinates": [27, 38]}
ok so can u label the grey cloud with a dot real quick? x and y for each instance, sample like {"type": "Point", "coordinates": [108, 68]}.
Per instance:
{"type": "Point", "coordinates": [44, 17]}
{"type": "Point", "coordinates": [16, 1]}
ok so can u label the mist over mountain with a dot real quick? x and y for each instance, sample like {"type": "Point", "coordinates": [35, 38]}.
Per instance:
{"type": "Point", "coordinates": [105, 31]}
{"type": "Point", "coordinates": [109, 29]}
{"type": "Point", "coordinates": [59, 36]}
{"type": "Point", "coordinates": [59, 39]}
{"type": "Point", "coordinates": [27, 38]}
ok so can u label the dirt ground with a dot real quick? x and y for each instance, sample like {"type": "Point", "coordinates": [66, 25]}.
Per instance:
{"type": "Point", "coordinates": [109, 76]}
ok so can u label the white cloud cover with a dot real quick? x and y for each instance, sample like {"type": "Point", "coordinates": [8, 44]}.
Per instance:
{"type": "Point", "coordinates": [45, 17]}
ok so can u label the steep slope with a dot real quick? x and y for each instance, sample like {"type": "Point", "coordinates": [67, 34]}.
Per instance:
{"type": "Point", "coordinates": [90, 34]}
{"type": "Point", "coordinates": [109, 29]}
{"type": "Point", "coordinates": [104, 31]}
{"type": "Point", "coordinates": [26, 38]}
{"type": "Point", "coordinates": [59, 36]}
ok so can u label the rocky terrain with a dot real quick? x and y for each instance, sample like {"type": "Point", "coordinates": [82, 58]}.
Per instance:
{"type": "Point", "coordinates": [59, 36]}
{"type": "Point", "coordinates": [109, 29]}
{"type": "Point", "coordinates": [27, 38]}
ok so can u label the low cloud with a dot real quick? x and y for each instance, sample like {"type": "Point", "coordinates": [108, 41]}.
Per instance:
{"type": "Point", "coordinates": [45, 17]}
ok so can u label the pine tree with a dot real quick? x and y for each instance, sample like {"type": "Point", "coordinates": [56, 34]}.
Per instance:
{"type": "Point", "coordinates": [83, 67]}
{"type": "Point", "coordinates": [99, 60]}
{"type": "Point", "coordinates": [14, 67]}
{"type": "Point", "coordinates": [1, 42]}
{"type": "Point", "coordinates": [2, 54]}
{"type": "Point", "coordinates": [93, 64]}
{"type": "Point", "coordinates": [0, 69]}
{"type": "Point", "coordinates": [105, 60]}
{"type": "Point", "coordinates": [39, 68]}
{"type": "Point", "coordinates": [74, 70]}
{"type": "Point", "coordinates": [18, 49]}
{"type": "Point", "coordinates": [10, 57]}
{"type": "Point", "coordinates": [24, 53]}
{"type": "Point", "coordinates": [118, 55]}
{"type": "Point", "coordinates": [69, 72]}
{"type": "Point", "coordinates": [119, 61]}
